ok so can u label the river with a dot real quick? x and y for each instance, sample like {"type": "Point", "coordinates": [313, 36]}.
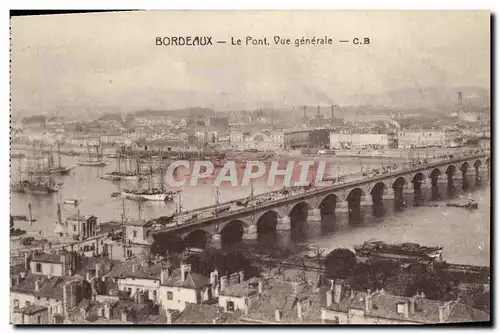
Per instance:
{"type": "Point", "coordinates": [465, 235]}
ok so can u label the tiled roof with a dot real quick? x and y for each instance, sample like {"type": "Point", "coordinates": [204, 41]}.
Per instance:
{"type": "Point", "coordinates": [49, 287]}
{"type": "Point", "coordinates": [82, 218]}
{"type": "Point", "coordinates": [142, 270]}
{"type": "Point", "coordinates": [17, 269]}
{"type": "Point", "coordinates": [32, 309]}
{"type": "Point", "coordinates": [192, 281]}
{"type": "Point", "coordinates": [279, 295]}
{"type": "Point", "coordinates": [205, 314]}
{"type": "Point", "coordinates": [462, 313]}
{"type": "Point", "coordinates": [47, 257]}
{"type": "Point", "coordinates": [241, 289]}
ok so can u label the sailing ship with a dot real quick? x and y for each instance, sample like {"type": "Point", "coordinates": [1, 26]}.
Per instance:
{"type": "Point", "coordinates": [37, 186]}
{"type": "Point", "coordinates": [151, 193]}
{"type": "Point", "coordinates": [129, 174]}
{"type": "Point", "coordinates": [51, 168]}
{"type": "Point", "coordinates": [93, 161]}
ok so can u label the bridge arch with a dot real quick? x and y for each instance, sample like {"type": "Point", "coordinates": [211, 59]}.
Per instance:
{"type": "Point", "coordinates": [232, 232]}
{"type": "Point", "coordinates": [266, 223]}
{"type": "Point", "coordinates": [377, 194]}
{"type": "Point", "coordinates": [464, 166]}
{"type": "Point", "coordinates": [451, 169]}
{"type": "Point", "coordinates": [197, 239]}
{"type": "Point", "coordinates": [354, 198]}
{"type": "Point", "coordinates": [327, 204]}
{"type": "Point", "coordinates": [299, 213]}
{"type": "Point", "coordinates": [400, 182]}
{"type": "Point", "coordinates": [418, 180]}
{"type": "Point", "coordinates": [434, 178]}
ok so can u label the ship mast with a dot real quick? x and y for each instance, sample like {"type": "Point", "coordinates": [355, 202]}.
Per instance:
{"type": "Point", "coordinates": [59, 153]}
{"type": "Point", "coordinates": [162, 176]}
{"type": "Point", "coordinates": [119, 159]}
{"type": "Point", "coordinates": [30, 213]}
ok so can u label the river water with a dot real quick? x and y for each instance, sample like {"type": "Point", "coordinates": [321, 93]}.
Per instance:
{"type": "Point", "coordinates": [465, 235]}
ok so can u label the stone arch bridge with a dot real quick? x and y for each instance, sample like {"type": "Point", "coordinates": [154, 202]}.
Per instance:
{"type": "Point", "coordinates": [286, 213]}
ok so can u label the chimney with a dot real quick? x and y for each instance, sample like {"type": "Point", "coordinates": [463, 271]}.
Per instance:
{"type": "Point", "coordinates": [124, 315]}
{"type": "Point", "coordinates": [185, 269]}
{"type": "Point", "coordinates": [98, 270]}
{"type": "Point", "coordinates": [277, 315]}
{"type": "Point", "coordinates": [329, 298]}
{"type": "Point", "coordinates": [444, 311]}
{"type": "Point", "coordinates": [337, 292]}
{"type": "Point", "coordinates": [212, 277]}
{"type": "Point", "coordinates": [242, 276]}
{"type": "Point", "coordinates": [26, 262]}
{"type": "Point", "coordinates": [299, 310]}
{"type": "Point", "coordinates": [37, 285]}
{"type": "Point", "coordinates": [88, 276]}
{"type": "Point", "coordinates": [223, 282]}
{"type": "Point", "coordinates": [64, 261]}
{"type": "Point", "coordinates": [107, 311]}
{"type": "Point", "coordinates": [368, 303]}
{"type": "Point", "coordinates": [134, 268]}
{"type": "Point", "coordinates": [164, 275]}
{"type": "Point", "coordinates": [261, 286]}
{"type": "Point", "coordinates": [169, 317]}
{"type": "Point", "coordinates": [93, 286]}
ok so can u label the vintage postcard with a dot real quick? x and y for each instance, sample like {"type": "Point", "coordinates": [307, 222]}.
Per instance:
{"type": "Point", "coordinates": [250, 167]}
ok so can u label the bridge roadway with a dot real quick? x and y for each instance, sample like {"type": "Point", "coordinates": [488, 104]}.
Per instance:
{"type": "Point", "coordinates": [319, 191]}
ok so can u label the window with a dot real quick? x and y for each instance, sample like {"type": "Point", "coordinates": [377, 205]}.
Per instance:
{"type": "Point", "coordinates": [170, 295]}
{"type": "Point", "coordinates": [134, 234]}
{"type": "Point", "coordinates": [38, 267]}
{"type": "Point", "coordinates": [39, 319]}
{"type": "Point", "coordinates": [230, 306]}
{"type": "Point", "coordinates": [16, 304]}
{"type": "Point", "coordinates": [74, 228]}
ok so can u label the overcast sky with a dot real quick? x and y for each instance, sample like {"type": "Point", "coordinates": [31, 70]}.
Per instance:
{"type": "Point", "coordinates": [110, 60]}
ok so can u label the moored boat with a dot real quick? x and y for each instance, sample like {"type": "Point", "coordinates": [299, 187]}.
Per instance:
{"type": "Point", "coordinates": [71, 201]}
{"type": "Point", "coordinates": [469, 204]}
{"type": "Point", "coordinates": [397, 252]}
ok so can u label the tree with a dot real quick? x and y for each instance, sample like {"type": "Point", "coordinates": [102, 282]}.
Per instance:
{"type": "Point", "coordinates": [164, 243]}
{"type": "Point", "coordinates": [340, 262]}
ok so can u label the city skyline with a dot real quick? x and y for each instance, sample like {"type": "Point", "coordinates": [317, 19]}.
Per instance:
{"type": "Point", "coordinates": [103, 61]}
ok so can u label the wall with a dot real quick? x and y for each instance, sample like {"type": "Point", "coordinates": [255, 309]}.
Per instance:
{"type": "Point", "coordinates": [330, 315]}
{"type": "Point", "coordinates": [34, 319]}
{"type": "Point", "coordinates": [139, 284]}
{"type": "Point", "coordinates": [181, 296]}
{"type": "Point", "coordinates": [140, 238]}
{"type": "Point", "coordinates": [54, 306]}
{"type": "Point", "coordinates": [53, 269]}
{"type": "Point", "coordinates": [239, 302]}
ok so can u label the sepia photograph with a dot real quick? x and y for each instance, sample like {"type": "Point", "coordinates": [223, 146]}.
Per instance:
{"type": "Point", "coordinates": [250, 167]}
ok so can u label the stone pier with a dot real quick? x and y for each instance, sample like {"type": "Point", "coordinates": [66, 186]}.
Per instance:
{"type": "Point", "coordinates": [314, 215]}
{"type": "Point", "coordinates": [284, 224]}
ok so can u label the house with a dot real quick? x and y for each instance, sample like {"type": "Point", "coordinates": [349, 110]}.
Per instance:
{"type": "Point", "coordinates": [205, 314]}
{"type": "Point", "coordinates": [82, 227]}
{"type": "Point", "coordinates": [283, 302]}
{"type": "Point", "coordinates": [346, 306]}
{"type": "Point", "coordinates": [138, 237]}
{"type": "Point", "coordinates": [179, 287]}
{"type": "Point", "coordinates": [35, 298]}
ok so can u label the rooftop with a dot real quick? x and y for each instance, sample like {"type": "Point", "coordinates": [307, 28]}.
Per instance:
{"type": "Point", "coordinates": [205, 314]}
{"type": "Point", "coordinates": [32, 309]}
{"type": "Point", "coordinates": [49, 287]}
{"type": "Point", "coordinates": [280, 295]}
{"type": "Point", "coordinates": [47, 257]}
